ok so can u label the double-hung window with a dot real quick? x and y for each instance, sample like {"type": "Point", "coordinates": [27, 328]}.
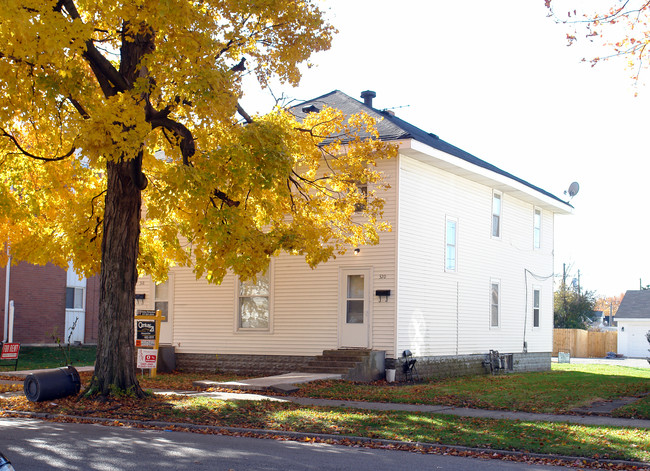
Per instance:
{"type": "Point", "coordinates": [254, 306]}
{"type": "Point", "coordinates": [451, 240]}
{"type": "Point", "coordinates": [537, 228]}
{"type": "Point", "coordinates": [536, 301]}
{"type": "Point", "coordinates": [495, 303]}
{"type": "Point", "coordinates": [496, 214]}
{"type": "Point", "coordinates": [74, 298]}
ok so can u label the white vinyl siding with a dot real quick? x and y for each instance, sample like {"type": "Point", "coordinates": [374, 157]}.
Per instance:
{"type": "Point", "coordinates": [305, 301]}
{"type": "Point", "coordinates": [440, 314]}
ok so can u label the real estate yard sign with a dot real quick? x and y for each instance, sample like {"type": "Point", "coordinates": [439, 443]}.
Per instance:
{"type": "Point", "coordinates": [10, 352]}
{"type": "Point", "coordinates": [147, 335]}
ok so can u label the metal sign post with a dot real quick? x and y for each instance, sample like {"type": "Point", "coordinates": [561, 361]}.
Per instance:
{"type": "Point", "coordinates": [147, 336]}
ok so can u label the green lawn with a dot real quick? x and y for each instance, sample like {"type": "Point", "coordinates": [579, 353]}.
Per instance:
{"type": "Point", "coordinates": [564, 388]}
{"type": "Point", "coordinates": [34, 358]}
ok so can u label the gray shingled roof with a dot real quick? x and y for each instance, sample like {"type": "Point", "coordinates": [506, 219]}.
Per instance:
{"type": "Point", "coordinates": [392, 128]}
{"type": "Point", "coordinates": [635, 305]}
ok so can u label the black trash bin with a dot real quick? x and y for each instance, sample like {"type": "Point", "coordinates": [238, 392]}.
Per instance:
{"type": "Point", "coordinates": [52, 384]}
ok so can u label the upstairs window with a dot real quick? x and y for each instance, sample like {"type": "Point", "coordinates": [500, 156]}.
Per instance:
{"type": "Point", "coordinates": [362, 188]}
{"type": "Point", "coordinates": [496, 214]}
{"type": "Point", "coordinates": [450, 245]}
{"type": "Point", "coordinates": [537, 228]}
{"type": "Point", "coordinates": [254, 303]}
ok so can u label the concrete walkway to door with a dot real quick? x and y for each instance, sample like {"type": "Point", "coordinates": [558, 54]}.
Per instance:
{"type": "Point", "coordinates": [284, 383]}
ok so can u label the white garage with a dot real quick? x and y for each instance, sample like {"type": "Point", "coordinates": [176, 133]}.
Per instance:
{"type": "Point", "coordinates": [633, 318]}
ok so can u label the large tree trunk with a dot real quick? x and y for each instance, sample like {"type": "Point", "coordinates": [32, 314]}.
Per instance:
{"type": "Point", "coordinates": [115, 365]}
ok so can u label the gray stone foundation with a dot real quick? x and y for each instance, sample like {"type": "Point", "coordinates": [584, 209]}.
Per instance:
{"type": "Point", "coordinates": [427, 367]}
{"type": "Point", "coordinates": [243, 364]}
{"type": "Point", "coordinates": [437, 367]}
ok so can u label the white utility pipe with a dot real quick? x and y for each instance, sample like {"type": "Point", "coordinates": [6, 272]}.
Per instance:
{"type": "Point", "coordinates": [11, 321]}
{"type": "Point", "coordinates": [6, 324]}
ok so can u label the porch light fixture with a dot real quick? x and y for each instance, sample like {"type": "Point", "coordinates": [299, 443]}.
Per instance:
{"type": "Point", "coordinates": [357, 251]}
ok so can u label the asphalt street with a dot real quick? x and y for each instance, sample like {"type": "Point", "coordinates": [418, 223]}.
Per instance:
{"type": "Point", "coordinates": [35, 445]}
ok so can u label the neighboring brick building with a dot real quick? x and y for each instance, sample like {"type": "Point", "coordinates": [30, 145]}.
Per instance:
{"type": "Point", "coordinates": [47, 299]}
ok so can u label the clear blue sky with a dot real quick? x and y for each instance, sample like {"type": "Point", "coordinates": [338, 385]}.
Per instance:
{"type": "Point", "coordinates": [497, 80]}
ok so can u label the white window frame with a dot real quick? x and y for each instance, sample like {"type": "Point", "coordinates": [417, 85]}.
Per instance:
{"type": "Point", "coordinates": [448, 269]}
{"type": "Point", "coordinates": [238, 328]}
{"type": "Point", "coordinates": [165, 299]}
{"type": "Point", "coordinates": [497, 195]}
{"type": "Point", "coordinates": [493, 282]}
{"type": "Point", "coordinates": [537, 228]}
{"type": "Point", "coordinates": [537, 289]}
{"type": "Point", "coordinates": [75, 290]}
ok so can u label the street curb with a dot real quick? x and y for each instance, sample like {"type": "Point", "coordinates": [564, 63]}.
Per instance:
{"type": "Point", "coordinates": [420, 447]}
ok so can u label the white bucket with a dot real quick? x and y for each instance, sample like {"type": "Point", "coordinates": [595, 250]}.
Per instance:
{"type": "Point", "coordinates": [390, 376]}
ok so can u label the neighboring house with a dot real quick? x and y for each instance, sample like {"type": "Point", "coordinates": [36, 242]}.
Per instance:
{"type": "Point", "coordinates": [47, 300]}
{"type": "Point", "coordinates": [600, 321]}
{"type": "Point", "coordinates": [467, 268]}
{"type": "Point", "coordinates": [633, 318]}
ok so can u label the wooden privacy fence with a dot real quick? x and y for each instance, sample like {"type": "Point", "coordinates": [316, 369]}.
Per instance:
{"type": "Point", "coordinates": [583, 344]}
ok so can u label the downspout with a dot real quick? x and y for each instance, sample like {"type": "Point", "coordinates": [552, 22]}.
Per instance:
{"type": "Point", "coordinates": [6, 323]}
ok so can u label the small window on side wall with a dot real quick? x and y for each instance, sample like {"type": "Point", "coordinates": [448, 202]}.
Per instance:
{"type": "Point", "coordinates": [536, 301]}
{"type": "Point", "coordinates": [496, 214]}
{"type": "Point", "coordinates": [537, 228]}
{"type": "Point", "coordinates": [451, 238]}
{"type": "Point", "coordinates": [254, 311]}
{"type": "Point", "coordinates": [495, 303]}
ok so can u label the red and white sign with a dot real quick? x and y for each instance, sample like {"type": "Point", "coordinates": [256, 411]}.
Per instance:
{"type": "Point", "coordinates": [147, 358]}
{"type": "Point", "coordinates": [9, 351]}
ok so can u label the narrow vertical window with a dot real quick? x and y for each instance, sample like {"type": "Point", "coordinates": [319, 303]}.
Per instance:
{"type": "Point", "coordinates": [161, 299]}
{"type": "Point", "coordinates": [450, 245]}
{"type": "Point", "coordinates": [537, 228]}
{"type": "Point", "coordinates": [254, 306]}
{"type": "Point", "coordinates": [496, 214]}
{"type": "Point", "coordinates": [536, 296]}
{"type": "Point", "coordinates": [355, 299]}
{"type": "Point", "coordinates": [495, 296]}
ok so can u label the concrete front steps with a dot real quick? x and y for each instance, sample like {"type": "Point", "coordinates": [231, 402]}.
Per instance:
{"type": "Point", "coordinates": [354, 364]}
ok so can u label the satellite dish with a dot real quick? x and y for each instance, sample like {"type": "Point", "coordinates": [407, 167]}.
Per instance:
{"type": "Point", "coordinates": [573, 190]}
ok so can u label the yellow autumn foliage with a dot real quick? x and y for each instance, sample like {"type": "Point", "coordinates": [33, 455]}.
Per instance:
{"type": "Point", "coordinates": [76, 96]}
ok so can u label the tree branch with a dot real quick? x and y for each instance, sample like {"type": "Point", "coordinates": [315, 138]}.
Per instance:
{"type": "Point", "coordinates": [36, 157]}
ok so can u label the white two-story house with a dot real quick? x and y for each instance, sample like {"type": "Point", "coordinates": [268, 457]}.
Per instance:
{"type": "Point", "coordinates": [466, 269]}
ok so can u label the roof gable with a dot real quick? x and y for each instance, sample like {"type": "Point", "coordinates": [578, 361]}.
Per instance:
{"type": "Point", "coordinates": [635, 305]}
{"type": "Point", "coordinates": [392, 128]}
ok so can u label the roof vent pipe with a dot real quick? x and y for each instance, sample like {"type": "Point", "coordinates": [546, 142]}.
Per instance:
{"type": "Point", "coordinates": [367, 96]}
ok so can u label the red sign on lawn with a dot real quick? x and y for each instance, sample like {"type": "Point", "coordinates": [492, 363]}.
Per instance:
{"type": "Point", "coordinates": [10, 351]}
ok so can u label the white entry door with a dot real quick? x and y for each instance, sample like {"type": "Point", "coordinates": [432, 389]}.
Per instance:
{"type": "Point", "coordinates": [354, 307]}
